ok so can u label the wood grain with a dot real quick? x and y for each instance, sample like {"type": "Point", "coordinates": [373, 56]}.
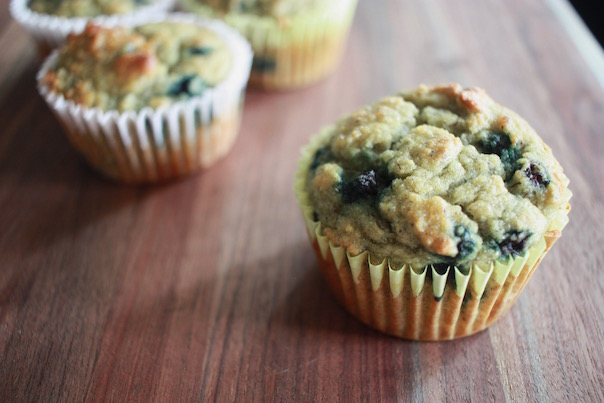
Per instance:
{"type": "Point", "coordinates": [206, 289]}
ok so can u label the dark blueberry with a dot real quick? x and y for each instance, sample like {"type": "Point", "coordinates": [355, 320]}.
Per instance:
{"type": "Point", "coordinates": [263, 64]}
{"type": "Point", "coordinates": [363, 186]}
{"type": "Point", "coordinates": [495, 143]}
{"type": "Point", "coordinates": [366, 185]}
{"type": "Point", "coordinates": [537, 175]}
{"type": "Point", "coordinates": [188, 85]}
{"type": "Point", "coordinates": [514, 243]}
{"type": "Point", "coordinates": [322, 155]}
{"type": "Point", "coordinates": [465, 245]}
{"type": "Point", "coordinates": [501, 145]}
{"type": "Point", "coordinates": [315, 216]}
{"type": "Point", "coordinates": [201, 50]}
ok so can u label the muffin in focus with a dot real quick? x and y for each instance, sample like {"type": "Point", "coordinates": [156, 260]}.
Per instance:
{"type": "Point", "coordinates": [50, 21]}
{"type": "Point", "coordinates": [150, 102]}
{"type": "Point", "coordinates": [429, 211]}
{"type": "Point", "coordinates": [295, 42]}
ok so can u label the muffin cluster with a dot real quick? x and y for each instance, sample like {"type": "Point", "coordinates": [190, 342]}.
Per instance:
{"type": "Point", "coordinates": [428, 210]}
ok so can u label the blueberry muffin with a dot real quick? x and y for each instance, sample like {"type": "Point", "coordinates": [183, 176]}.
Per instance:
{"type": "Point", "coordinates": [50, 21]}
{"type": "Point", "coordinates": [429, 210]}
{"type": "Point", "coordinates": [295, 42]}
{"type": "Point", "coordinates": [152, 102]}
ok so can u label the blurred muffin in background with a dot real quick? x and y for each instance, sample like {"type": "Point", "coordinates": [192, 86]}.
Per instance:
{"type": "Point", "coordinates": [50, 21]}
{"type": "Point", "coordinates": [152, 102]}
{"type": "Point", "coordinates": [295, 42]}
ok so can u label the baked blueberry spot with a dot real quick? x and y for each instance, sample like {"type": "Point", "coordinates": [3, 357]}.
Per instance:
{"type": "Point", "coordinates": [264, 64]}
{"type": "Point", "coordinates": [501, 145]}
{"type": "Point", "coordinates": [322, 156]}
{"type": "Point", "coordinates": [190, 85]}
{"type": "Point", "coordinates": [465, 244]}
{"type": "Point", "coordinates": [315, 216]}
{"type": "Point", "coordinates": [514, 243]}
{"type": "Point", "coordinates": [367, 185]}
{"type": "Point", "coordinates": [537, 175]}
{"type": "Point", "coordinates": [201, 50]}
{"type": "Point", "coordinates": [495, 143]}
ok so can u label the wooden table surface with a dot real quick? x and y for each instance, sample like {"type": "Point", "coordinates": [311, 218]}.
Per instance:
{"type": "Point", "coordinates": [207, 289]}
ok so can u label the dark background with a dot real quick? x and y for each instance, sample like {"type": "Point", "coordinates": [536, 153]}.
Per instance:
{"type": "Point", "coordinates": [592, 13]}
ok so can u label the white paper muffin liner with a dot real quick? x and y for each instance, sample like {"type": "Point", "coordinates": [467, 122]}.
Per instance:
{"type": "Point", "coordinates": [303, 48]}
{"type": "Point", "coordinates": [50, 31]}
{"type": "Point", "coordinates": [418, 304]}
{"type": "Point", "coordinates": [158, 144]}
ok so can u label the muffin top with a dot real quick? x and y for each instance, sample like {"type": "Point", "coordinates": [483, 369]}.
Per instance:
{"type": "Point", "coordinates": [277, 8]}
{"type": "Point", "coordinates": [86, 8]}
{"type": "Point", "coordinates": [153, 65]}
{"type": "Point", "coordinates": [440, 175]}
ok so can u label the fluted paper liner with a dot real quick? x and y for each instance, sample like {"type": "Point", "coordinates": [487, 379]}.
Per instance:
{"type": "Point", "coordinates": [50, 31]}
{"type": "Point", "coordinates": [158, 144]}
{"type": "Point", "coordinates": [418, 304]}
{"type": "Point", "coordinates": [304, 48]}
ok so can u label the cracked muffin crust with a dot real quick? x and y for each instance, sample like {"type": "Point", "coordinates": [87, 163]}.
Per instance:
{"type": "Point", "coordinates": [439, 175]}
{"type": "Point", "coordinates": [154, 65]}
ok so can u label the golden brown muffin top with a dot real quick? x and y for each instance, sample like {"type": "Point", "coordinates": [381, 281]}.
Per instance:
{"type": "Point", "coordinates": [436, 175]}
{"type": "Point", "coordinates": [151, 65]}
